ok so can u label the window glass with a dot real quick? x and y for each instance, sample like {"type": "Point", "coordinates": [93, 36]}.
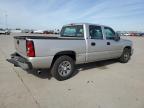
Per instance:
{"type": "Point", "coordinates": [95, 32]}
{"type": "Point", "coordinates": [109, 33]}
{"type": "Point", "coordinates": [72, 31]}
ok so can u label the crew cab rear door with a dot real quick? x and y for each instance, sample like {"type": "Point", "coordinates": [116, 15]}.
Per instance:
{"type": "Point", "coordinates": [96, 44]}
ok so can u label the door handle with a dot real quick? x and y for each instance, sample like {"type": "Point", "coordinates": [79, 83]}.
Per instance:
{"type": "Point", "coordinates": [93, 44]}
{"type": "Point", "coordinates": [108, 43]}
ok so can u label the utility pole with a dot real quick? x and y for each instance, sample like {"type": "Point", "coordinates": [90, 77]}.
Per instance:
{"type": "Point", "coordinates": [0, 19]}
{"type": "Point", "coordinates": [6, 16]}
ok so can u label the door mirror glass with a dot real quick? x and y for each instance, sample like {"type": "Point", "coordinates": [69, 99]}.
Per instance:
{"type": "Point", "coordinates": [117, 34]}
{"type": "Point", "coordinates": [117, 37]}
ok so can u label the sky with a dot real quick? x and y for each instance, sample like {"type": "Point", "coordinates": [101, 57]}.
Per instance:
{"type": "Point", "coordinates": [123, 15]}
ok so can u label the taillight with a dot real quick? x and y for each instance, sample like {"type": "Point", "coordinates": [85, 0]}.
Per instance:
{"type": "Point", "coordinates": [30, 48]}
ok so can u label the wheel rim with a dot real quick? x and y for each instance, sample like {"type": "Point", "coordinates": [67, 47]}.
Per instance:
{"type": "Point", "coordinates": [64, 68]}
{"type": "Point", "coordinates": [126, 56]}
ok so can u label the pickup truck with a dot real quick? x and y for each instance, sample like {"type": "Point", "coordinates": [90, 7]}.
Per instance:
{"type": "Point", "coordinates": [77, 43]}
{"type": "Point", "coordinates": [5, 32]}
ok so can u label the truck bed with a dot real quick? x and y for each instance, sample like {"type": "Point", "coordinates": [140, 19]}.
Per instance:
{"type": "Point", "coordinates": [47, 37]}
{"type": "Point", "coordinates": [49, 46]}
{"type": "Point", "coordinates": [34, 37]}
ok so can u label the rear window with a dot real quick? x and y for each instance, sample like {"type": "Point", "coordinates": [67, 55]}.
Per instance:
{"type": "Point", "coordinates": [72, 31]}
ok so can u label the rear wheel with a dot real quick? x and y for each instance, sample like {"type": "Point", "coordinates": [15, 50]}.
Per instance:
{"type": "Point", "coordinates": [63, 68]}
{"type": "Point", "coordinates": [125, 57]}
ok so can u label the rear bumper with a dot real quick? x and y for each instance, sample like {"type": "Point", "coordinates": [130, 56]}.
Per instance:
{"type": "Point", "coordinates": [19, 61]}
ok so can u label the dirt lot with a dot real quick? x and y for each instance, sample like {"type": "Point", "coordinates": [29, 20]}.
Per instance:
{"type": "Point", "coordinates": [107, 84]}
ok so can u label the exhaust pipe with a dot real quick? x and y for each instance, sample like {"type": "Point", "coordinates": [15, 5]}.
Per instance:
{"type": "Point", "coordinates": [39, 71]}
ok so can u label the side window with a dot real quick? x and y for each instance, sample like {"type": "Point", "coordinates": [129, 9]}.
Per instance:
{"type": "Point", "coordinates": [109, 33]}
{"type": "Point", "coordinates": [95, 32]}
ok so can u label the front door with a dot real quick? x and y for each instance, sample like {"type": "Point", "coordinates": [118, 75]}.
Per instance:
{"type": "Point", "coordinates": [113, 47]}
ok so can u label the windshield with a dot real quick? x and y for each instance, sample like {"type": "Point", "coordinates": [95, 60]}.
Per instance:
{"type": "Point", "coordinates": [72, 31]}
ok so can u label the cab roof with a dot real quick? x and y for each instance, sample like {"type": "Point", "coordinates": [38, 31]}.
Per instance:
{"type": "Point", "coordinates": [84, 24]}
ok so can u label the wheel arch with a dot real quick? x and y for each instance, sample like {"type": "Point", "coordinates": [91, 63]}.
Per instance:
{"type": "Point", "coordinates": [69, 53]}
{"type": "Point", "coordinates": [128, 47]}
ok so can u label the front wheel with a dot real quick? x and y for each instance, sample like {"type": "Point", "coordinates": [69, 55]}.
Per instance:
{"type": "Point", "coordinates": [63, 68]}
{"type": "Point", "coordinates": [125, 57]}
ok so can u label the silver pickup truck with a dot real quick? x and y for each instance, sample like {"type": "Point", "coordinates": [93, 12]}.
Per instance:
{"type": "Point", "coordinates": [77, 44]}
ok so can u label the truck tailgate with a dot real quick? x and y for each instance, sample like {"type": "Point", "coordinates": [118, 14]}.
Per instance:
{"type": "Point", "coordinates": [20, 45]}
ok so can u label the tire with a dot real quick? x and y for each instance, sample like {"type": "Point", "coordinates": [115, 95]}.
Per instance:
{"type": "Point", "coordinates": [63, 68]}
{"type": "Point", "coordinates": [125, 57]}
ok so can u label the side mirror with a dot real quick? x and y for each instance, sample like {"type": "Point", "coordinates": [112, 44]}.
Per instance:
{"type": "Point", "coordinates": [117, 37]}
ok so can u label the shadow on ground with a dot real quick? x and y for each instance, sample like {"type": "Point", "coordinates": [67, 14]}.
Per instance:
{"type": "Point", "coordinates": [44, 74]}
